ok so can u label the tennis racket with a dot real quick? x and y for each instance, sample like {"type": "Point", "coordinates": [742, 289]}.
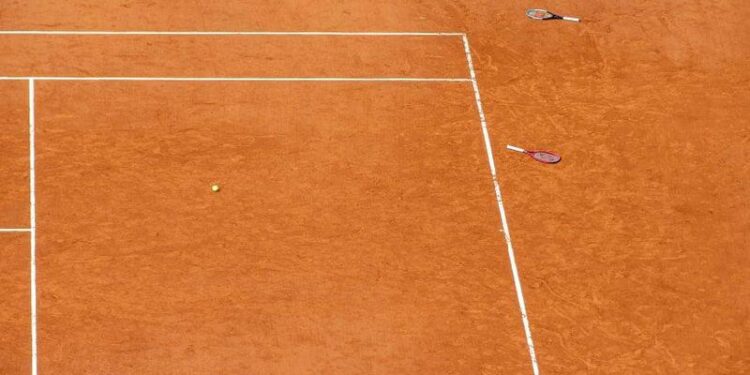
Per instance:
{"type": "Point", "coordinates": [545, 15]}
{"type": "Point", "coordinates": [540, 156]}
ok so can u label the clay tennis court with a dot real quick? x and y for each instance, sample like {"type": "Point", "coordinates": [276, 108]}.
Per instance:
{"type": "Point", "coordinates": [370, 220]}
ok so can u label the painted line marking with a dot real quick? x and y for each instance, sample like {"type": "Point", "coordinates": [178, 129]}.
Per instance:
{"type": "Point", "coordinates": [239, 79]}
{"type": "Point", "coordinates": [15, 230]}
{"type": "Point", "coordinates": [32, 214]}
{"type": "Point", "coordinates": [225, 33]}
{"type": "Point", "coordinates": [488, 147]}
{"type": "Point", "coordinates": [501, 208]}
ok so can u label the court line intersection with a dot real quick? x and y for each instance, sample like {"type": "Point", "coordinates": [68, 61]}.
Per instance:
{"type": "Point", "coordinates": [471, 79]}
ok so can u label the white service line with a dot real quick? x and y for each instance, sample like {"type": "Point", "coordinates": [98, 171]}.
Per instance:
{"type": "Point", "coordinates": [501, 208]}
{"type": "Point", "coordinates": [239, 79]}
{"type": "Point", "coordinates": [224, 33]}
{"type": "Point", "coordinates": [32, 214]}
{"type": "Point", "coordinates": [14, 230]}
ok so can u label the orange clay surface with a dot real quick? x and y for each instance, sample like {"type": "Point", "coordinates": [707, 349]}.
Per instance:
{"type": "Point", "coordinates": [353, 233]}
{"type": "Point", "coordinates": [14, 154]}
{"type": "Point", "coordinates": [232, 56]}
{"type": "Point", "coordinates": [15, 341]}
{"type": "Point", "coordinates": [357, 230]}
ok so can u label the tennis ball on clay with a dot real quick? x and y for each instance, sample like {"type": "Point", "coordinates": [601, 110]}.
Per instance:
{"type": "Point", "coordinates": [215, 188]}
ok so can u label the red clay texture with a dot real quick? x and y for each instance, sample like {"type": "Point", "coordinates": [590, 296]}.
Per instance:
{"type": "Point", "coordinates": [357, 229]}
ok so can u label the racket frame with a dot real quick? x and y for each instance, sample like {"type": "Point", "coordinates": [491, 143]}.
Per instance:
{"type": "Point", "coordinates": [530, 154]}
{"type": "Point", "coordinates": [552, 16]}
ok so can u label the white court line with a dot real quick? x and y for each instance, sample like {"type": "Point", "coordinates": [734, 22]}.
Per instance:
{"type": "Point", "coordinates": [14, 230]}
{"type": "Point", "coordinates": [225, 33]}
{"type": "Point", "coordinates": [32, 214]}
{"type": "Point", "coordinates": [501, 208]}
{"type": "Point", "coordinates": [31, 80]}
{"type": "Point", "coordinates": [240, 79]}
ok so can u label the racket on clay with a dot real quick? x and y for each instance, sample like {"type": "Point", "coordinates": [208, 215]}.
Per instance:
{"type": "Point", "coordinates": [545, 157]}
{"type": "Point", "coordinates": [545, 15]}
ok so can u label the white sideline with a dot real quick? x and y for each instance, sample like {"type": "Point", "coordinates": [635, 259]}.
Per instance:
{"type": "Point", "coordinates": [32, 214]}
{"type": "Point", "coordinates": [225, 33]}
{"type": "Point", "coordinates": [15, 230]}
{"type": "Point", "coordinates": [501, 208]}
{"type": "Point", "coordinates": [238, 79]}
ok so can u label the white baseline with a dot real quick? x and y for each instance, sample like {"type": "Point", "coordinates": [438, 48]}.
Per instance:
{"type": "Point", "coordinates": [236, 79]}
{"type": "Point", "coordinates": [224, 33]}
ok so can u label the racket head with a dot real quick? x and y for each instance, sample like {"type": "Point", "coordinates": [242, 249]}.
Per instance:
{"type": "Point", "coordinates": [545, 157]}
{"type": "Point", "coordinates": [540, 14]}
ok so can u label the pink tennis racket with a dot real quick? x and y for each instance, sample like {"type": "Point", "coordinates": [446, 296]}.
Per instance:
{"type": "Point", "coordinates": [540, 156]}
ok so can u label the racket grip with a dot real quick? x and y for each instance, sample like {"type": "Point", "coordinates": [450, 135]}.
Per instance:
{"type": "Point", "coordinates": [572, 19]}
{"type": "Point", "coordinates": [516, 149]}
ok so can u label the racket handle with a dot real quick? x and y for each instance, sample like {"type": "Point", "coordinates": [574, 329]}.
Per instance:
{"type": "Point", "coordinates": [516, 149]}
{"type": "Point", "coordinates": [572, 19]}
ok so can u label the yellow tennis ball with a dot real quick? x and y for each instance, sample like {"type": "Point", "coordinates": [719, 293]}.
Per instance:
{"type": "Point", "coordinates": [215, 188]}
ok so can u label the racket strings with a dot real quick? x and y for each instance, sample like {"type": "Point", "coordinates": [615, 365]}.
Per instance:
{"type": "Point", "coordinates": [545, 157]}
